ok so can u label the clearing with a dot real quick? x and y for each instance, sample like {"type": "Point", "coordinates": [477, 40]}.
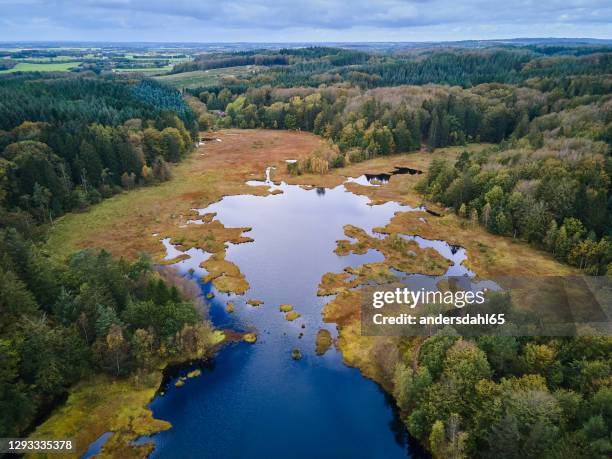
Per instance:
{"type": "Point", "coordinates": [203, 78]}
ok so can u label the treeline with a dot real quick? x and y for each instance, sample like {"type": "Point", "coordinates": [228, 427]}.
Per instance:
{"type": "Point", "coordinates": [363, 124]}
{"type": "Point", "coordinates": [60, 322]}
{"type": "Point", "coordinates": [292, 59]}
{"type": "Point", "coordinates": [507, 397]}
{"type": "Point", "coordinates": [560, 204]}
{"type": "Point", "coordinates": [548, 182]}
{"type": "Point", "coordinates": [367, 124]}
{"type": "Point", "coordinates": [207, 62]}
{"type": "Point", "coordinates": [472, 68]}
{"type": "Point", "coordinates": [573, 50]}
{"type": "Point", "coordinates": [68, 142]}
{"type": "Point", "coordinates": [312, 67]}
{"type": "Point", "coordinates": [452, 68]}
{"type": "Point", "coordinates": [6, 64]}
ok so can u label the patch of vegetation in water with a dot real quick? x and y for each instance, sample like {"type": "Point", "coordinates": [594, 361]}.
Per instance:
{"type": "Point", "coordinates": [225, 275]}
{"type": "Point", "coordinates": [101, 403]}
{"type": "Point", "coordinates": [292, 315]}
{"type": "Point", "coordinates": [195, 373]}
{"type": "Point", "coordinates": [399, 253]}
{"type": "Point", "coordinates": [250, 338]}
{"type": "Point", "coordinates": [177, 259]}
{"type": "Point", "coordinates": [210, 236]}
{"type": "Point", "coordinates": [334, 283]}
{"type": "Point", "coordinates": [323, 341]}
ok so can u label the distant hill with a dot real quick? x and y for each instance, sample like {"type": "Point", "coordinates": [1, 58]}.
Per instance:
{"type": "Point", "coordinates": [241, 46]}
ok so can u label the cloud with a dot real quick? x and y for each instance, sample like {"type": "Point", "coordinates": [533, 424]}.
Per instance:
{"type": "Point", "coordinates": [299, 20]}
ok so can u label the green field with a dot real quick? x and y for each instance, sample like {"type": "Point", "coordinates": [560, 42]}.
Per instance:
{"type": "Point", "coordinates": [51, 67]}
{"type": "Point", "coordinates": [201, 78]}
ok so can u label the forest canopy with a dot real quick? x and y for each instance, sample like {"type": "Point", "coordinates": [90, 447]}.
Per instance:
{"type": "Point", "coordinates": [546, 177]}
{"type": "Point", "coordinates": [542, 174]}
{"type": "Point", "coordinates": [69, 141]}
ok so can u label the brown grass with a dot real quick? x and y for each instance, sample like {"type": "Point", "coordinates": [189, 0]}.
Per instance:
{"type": "Point", "coordinates": [103, 404]}
{"type": "Point", "coordinates": [125, 224]}
{"type": "Point", "coordinates": [323, 342]}
{"type": "Point", "coordinates": [225, 275]}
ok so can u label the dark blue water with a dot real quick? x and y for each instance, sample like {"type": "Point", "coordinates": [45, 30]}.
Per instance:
{"type": "Point", "coordinates": [254, 401]}
{"type": "Point", "coordinates": [249, 405]}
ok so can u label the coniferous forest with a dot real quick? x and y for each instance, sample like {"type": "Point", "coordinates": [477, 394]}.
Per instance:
{"type": "Point", "coordinates": [68, 142]}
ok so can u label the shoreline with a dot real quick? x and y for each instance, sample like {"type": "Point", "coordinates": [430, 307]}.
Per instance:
{"type": "Point", "coordinates": [103, 404]}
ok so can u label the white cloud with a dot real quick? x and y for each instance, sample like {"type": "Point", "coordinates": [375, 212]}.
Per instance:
{"type": "Point", "coordinates": [300, 20]}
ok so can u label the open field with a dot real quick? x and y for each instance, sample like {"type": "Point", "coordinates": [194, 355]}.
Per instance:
{"type": "Point", "coordinates": [156, 70]}
{"type": "Point", "coordinates": [148, 63]}
{"type": "Point", "coordinates": [50, 67]}
{"type": "Point", "coordinates": [202, 78]}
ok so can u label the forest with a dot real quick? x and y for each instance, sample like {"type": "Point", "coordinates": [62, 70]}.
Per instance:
{"type": "Point", "coordinates": [64, 321]}
{"type": "Point", "coordinates": [67, 143]}
{"type": "Point", "coordinates": [311, 67]}
{"type": "Point", "coordinates": [545, 116]}
{"type": "Point", "coordinates": [70, 140]}
{"type": "Point", "coordinates": [509, 397]}
{"type": "Point", "coordinates": [545, 177]}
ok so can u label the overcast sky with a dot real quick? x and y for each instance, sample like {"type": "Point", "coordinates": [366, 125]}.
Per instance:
{"type": "Point", "coordinates": [301, 20]}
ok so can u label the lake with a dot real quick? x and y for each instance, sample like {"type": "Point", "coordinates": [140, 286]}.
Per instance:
{"type": "Point", "coordinates": [255, 401]}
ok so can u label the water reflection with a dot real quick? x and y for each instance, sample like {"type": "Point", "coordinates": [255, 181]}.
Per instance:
{"type": "Point", "coordinates": [382, 178]}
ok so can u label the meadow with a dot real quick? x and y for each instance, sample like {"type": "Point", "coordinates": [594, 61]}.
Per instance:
{"type": "Point", "coordinates": [40, 67]}
{"type": "Point", "coordinates": [205, 78]}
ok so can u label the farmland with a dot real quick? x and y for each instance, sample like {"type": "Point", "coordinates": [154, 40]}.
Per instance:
{"type": "Point", "coordinates": [42, 67]}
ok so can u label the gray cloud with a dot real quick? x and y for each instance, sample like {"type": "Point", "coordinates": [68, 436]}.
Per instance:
{"type": "Point", "coordinates": [300, 20]}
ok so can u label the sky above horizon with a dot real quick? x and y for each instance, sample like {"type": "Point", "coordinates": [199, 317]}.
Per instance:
{"type": "Point", "coordinates": [300, 20]}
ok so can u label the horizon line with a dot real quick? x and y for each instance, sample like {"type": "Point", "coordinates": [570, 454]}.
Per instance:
{"type": "Point", "coordinates": [307, 41]}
